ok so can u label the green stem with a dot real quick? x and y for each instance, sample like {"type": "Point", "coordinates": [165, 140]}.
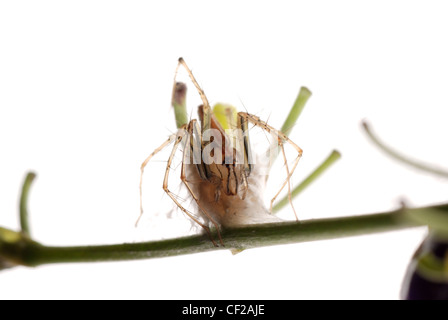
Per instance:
{"type": "Point", "coordinates": [23, 207]}
{"type": "Point", "coordinates": [394, 154]}
{"type": "Point", "coordinates": [296, 110]}
{"type": "Point", "coordinates": [19, 249]}
{"type": "Point", "coordinates": [293, 116]}
{"type": "Point", "coordinates": [332, 158]}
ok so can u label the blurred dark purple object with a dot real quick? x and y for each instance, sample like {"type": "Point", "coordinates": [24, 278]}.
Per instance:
{"type": "Point", "coordinates": [427, 274]}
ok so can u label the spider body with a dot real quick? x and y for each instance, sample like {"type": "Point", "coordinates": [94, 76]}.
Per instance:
{"type": "Point", "coordinates": [217, 168]}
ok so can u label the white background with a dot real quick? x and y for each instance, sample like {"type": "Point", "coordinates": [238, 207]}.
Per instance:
{"type": "Point", "coordinates": [85, 92]}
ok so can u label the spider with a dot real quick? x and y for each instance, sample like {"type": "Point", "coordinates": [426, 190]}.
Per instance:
{"type": "Point", "coordinates": [217, 166]}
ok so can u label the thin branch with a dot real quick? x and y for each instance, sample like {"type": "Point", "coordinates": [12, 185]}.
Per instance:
{"type": "Point", "coordinates": [23, 207]}
{"type": "Point", "coordinates": [293, 115]}
{"type": "Point", "coordinates": [296, 110]}
{"type": "Point", "coordinates": [405, 159]}
{"type": "Point", "coordinates": [331, 159]}
{"type": "Point", "coordinates": [16, 248]}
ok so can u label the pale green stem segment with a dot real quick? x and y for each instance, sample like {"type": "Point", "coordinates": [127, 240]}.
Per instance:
{"type": "Point", "coordinates": [416, 164]}
{"type": "Point", "coordinates": [294, 113]}
{"type": "Point", "coordinates": [179, 103]}
{"type": "Point", "coordinates": [436, 219]}
{"type": "Point", "coordinates": [296, 110]}
{"type": "Point", "coordinates": [23, 206]}
{"type": "Point", "coordinates": [331, 159]}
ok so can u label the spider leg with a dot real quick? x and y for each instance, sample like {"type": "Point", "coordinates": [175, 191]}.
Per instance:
{"type": "Point", "coordinates": [287, 181]}
{"type": "Point", "coordinates": [179, 137]}
{"type": "Point", "coordinates": [142, 169]}
{"type": "Point", "coordinates": [281, 139]}
{"type": "Point", "coordinates": [206, 105]}
{"type": "Point", "coordinates": [183, 178]}
{"type": "Point", "coordinates": [193, 79]}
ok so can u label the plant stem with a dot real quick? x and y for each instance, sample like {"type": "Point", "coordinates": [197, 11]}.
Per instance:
{"type": "Point", "coordinates": [332, 158]}
{"type": "Point", "coordinates": [404, 159]}
{"type": "Point", "coordinates": [293, 115]}
{"type": "Point", "coordinates": [296, 110]}
{"type": "Point", "coordinates": [23, 206]}
{"type": "Point", "coordinates": [27, 252]}
{"type": "Point", "coordinates": [179, 103]}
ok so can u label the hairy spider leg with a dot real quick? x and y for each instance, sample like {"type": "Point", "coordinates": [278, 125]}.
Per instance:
{"type": "Point", "coordinates": [206, 105]}
{"type": "Point", "coordinates": [142, 169]}
{"type": "Point", "coordinates": [183, 177]}
{"type": "Point", "coordinates": [281, 138]}
{"type": "Point", "coordinates": [179, 138]}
